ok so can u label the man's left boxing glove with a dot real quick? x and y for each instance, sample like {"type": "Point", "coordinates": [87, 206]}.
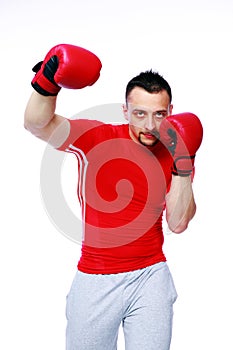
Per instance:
{"type": "Point", "coordinates": [67, 66]}
{"type": "Point", "coordinates": [182, 134]}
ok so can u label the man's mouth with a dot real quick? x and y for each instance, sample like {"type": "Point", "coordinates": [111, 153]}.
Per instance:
{"type": "Point", "coordinates": [151, 135]}
{"type": "Point", "coordinates": [148, 138]}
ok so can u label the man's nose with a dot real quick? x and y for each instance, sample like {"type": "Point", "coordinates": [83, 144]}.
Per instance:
{"type": "Point", "coordinates": [150, 123]}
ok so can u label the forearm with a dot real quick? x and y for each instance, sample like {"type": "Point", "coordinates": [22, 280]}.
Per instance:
{"type": "Point", "coordinates": [180, 204]}
{"type": "Point", "coordinates": [42, 121]}
{"type": "Point", "coordinates": [40, 111]}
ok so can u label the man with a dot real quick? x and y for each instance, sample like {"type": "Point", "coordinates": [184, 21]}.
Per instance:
{"type": "Point", "coordinates": [128, 175]}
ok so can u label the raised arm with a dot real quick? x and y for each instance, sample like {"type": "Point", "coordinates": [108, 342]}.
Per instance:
{"type": "Point", "coordinates": [66, 66]}
{"type": "Point", "coordinates": [182, 134]}
{"type": "Point", "coordinates": [42, 121]}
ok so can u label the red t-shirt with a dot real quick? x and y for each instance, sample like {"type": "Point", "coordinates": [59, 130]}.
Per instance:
{"type": "Point", "coordinates": [121, 190]}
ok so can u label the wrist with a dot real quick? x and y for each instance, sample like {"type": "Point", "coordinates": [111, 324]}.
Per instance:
{"type": "Point", "coordinates": [43, 82]}
{"type": "Point", "coordinates": [183, 166]}
{"type": "Point", "coordinates": [44, 86]}
{"type": "Point", "coordinates": [180, 184]}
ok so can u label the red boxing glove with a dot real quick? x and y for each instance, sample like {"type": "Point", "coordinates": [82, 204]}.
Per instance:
{"type": "Point", "coordinates": [182, 135]}
{"type": "Point", "coordinates": [67, 66]}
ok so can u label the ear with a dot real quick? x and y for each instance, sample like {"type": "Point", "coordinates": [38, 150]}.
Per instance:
{"type": "Point", "coordinates": [125, 111]}
{"type": "Point", "coordinates": [170, 109]}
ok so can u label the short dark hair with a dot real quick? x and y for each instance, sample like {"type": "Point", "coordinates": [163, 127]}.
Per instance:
{"type": "Point", "coordinates": [150, 81]}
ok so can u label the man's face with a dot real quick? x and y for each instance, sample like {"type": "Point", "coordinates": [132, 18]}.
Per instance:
{"type": "Point", "coordinates": [145, 112]}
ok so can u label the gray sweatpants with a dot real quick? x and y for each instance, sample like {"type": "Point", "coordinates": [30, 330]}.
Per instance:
{"type": "Point", "coordinates": [141, 300]}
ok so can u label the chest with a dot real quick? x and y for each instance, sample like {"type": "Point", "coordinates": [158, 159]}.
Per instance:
{"type": "Point", "coordinates": [121, 172]}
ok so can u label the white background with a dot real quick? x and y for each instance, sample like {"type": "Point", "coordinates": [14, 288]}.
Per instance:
{"type": "Point", "coordinates": [190, 43]}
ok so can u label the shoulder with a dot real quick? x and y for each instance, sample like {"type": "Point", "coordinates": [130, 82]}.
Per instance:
{"type": "Point", "coordinates": [89, 132]}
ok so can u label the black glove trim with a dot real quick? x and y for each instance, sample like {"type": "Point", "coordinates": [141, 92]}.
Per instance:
{"type": "Point", "coordinates": [41, 91]}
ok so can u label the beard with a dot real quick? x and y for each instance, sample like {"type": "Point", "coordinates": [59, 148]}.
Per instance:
{"type": "Point", "coordinates": [153, 140]}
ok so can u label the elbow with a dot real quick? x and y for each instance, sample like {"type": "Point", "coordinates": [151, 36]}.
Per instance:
{"type": "Point", "coordinates": [32, 124]}
{"type": "Point", "coordinates": [26, 125]}
{"type": "Point", "coordinates": [31, 128]}
{"type": "Point", "coordinates": [181, 224]}
{"type": "Point", "coordinates": [179, 228]}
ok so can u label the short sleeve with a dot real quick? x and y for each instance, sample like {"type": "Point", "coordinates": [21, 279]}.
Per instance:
{"type": "Point", "coordinates": [78, 128]}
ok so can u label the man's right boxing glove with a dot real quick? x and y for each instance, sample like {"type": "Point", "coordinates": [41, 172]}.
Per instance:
{"type": "Point", "coordinates": [67, 66]}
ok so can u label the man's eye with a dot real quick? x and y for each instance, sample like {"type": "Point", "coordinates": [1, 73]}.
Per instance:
{"type": "Point", "coordinates": [139, 114]}
{"type": "Point", "coordinates": [160, 115]}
